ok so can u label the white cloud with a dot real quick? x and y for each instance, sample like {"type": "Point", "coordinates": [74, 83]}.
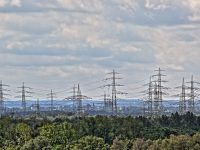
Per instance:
{"type": "Point", "coordinates": [3, 3]}
{"type": "Point", "coordinates": [92, 5]}
{"type": "Point", "coordinates": [15, 3]}
{"type": "Point", "coordinates": [194, 7]}
{"type": "Point", "coordinates": [159, 4]}
{"type": "Point", "coordinates": [67, 39]}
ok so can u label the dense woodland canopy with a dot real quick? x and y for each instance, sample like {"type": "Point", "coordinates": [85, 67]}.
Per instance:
{"type": "Point", "coordinates": [101, 133]}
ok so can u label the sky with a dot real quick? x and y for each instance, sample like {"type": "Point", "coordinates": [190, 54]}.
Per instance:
{"type": "Point", "coordinates": [54, 44]}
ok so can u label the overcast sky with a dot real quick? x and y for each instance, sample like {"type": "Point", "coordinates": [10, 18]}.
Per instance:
{"type": "Point", "coordinates": [53, 44]}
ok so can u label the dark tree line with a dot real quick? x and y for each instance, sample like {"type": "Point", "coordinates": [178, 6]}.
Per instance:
{"type": "Point", "coordinates": [101, 133]}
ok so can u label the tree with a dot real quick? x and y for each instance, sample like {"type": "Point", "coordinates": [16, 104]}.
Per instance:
{"type": "Point", "coordinates": [141, 144]}
{"type": "Point", "coordinates": [90, 143]}
{"type": "Point", "coordinates": [23, 133]}
{"type": "Point", "coordinates": [62, 134]}
{"type": "Point", "coordinates": [39, 143]}
{"type": "Point", "coordinates": [119, 145]}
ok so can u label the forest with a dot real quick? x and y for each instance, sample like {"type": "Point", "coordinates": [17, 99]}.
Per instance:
{"type": "Point", "coordinates": [175, 132]}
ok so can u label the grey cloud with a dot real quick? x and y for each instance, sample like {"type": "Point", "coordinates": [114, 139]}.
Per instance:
{"type": "Point", "coordinates": [44, 40]}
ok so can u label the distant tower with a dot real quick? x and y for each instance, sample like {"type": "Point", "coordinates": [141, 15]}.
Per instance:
{"type": "Point", "coordinates": [24, 91]}
{"type": "Point", "coordinates": [182, 102]}
{"type": "Point", "coordinates": [74, 97]}
{"type": "Point", "coordinates": [183, 99]}
{"type": "Point", "coordinates": [148, 103]}
{"type": "Point", "coordinates": [150, 99]}
{"type": "Point", "coordinates": [51, 95]}
{"type": "Point", "coordinates": [105, 102]}
{"type": "Point", "coordinates": [38, 107]}
{"type": "Point", "coordinates": [79, 101]}
{"type": "Point", "coordinates": [1, 98]}
{"type": "Point", "coordinates": [156, 100]}
{"type": "Point", "coordinates": [23, 98]}
{"type": "Point", "coordinates": [159, 92]}
{"type": "Point", "coordinates": [192, 97]}
{"type": "Point", "coordinates": [2, 94]}
{"type": "Point", "coordinates": [114, 93]}
{"type": "Point", "coordinates": [52, 101]}
{"type": "Point", "coordinates": [193, 94]}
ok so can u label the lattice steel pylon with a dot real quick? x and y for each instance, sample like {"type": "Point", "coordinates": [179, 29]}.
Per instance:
{"type": "Point", "coordinates": [74, 97]}
{"type": "Point", "coordinates": [148, 102]}
{"type": "Point", "coordinates": [192, 95]}
{"type": "Point", "coordinates": [156, 100]}
{"type": "Point", "coordinates": [182, 96]}
{"type": "Point", "coordinates": [159, 92]}
{"type": "Point", "coordinates": [114, 93]}
{"type": "Point", "coordinates": [38, 107]}
{"type": "Point", "coordinates": [24, 95]}
{"type": "Point", "coordinates": [77, 99]}
{"type": "Point", "coordinates": [150, 99]}
{"type": "Point", "coordinates": [2, 94]}
{"type": "Point", "coordinates": [107, 102]}
{"type": "Point", "coordinates": [79, 102]}
{"type": "Point", "coordinates": [51, 95]}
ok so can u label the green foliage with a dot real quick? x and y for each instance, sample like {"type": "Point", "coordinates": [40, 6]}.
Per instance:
{"type": "Point", "coordinates": [173, 132]}
{"type": "Point", "coordinates": [23, 133]}
{"type": "Point", "coordinates": [121, 144]}
{"type": "Point", "coordinates": [39, 143]}
{"type": "Point", "coordinates": [90, 143]}
{"type": "Point", "coordinates": [61, 134]}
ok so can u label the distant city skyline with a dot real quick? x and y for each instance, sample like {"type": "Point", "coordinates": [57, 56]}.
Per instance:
{"type": "Point", "coordinates": [54, 44]}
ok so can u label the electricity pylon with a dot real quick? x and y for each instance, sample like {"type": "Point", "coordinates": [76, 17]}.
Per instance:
{"type": "Point", "coordinates": [77, 99]}
{"type": "Point", "coordinates": [182, 96]}
{"type": "Point", "coordinates": [193, 94]}
{"type": "Point", "coordinates": [157, 101]}
{"type": "Point", "coordinates": [159, 92]}
{"type": "Point", "coordinates": [114, 93]}
{"type": "Point", "coordinates": [148, 104]}
{"type": "Point", "coordinates": [107, 102]}
{"type": "Point", "coordinates": [2, 98]}
{"type": "Point", "coordinates": [51, 95]}
{"type": "Point", "coordinates": [24, 91]}
{"type": "Point", "coordinates": [80, 99]}
{"type": "Point", "coordinates": [73, 98]}
{"type": "Point", "coordinates": [38, 107]}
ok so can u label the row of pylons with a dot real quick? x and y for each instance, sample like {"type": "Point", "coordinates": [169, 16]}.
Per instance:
{"type": "Point", "coordinates": [153, 104]}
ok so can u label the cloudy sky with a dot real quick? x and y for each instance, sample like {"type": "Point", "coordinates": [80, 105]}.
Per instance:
{"type": "Point", "coordinates": [53, 44]}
